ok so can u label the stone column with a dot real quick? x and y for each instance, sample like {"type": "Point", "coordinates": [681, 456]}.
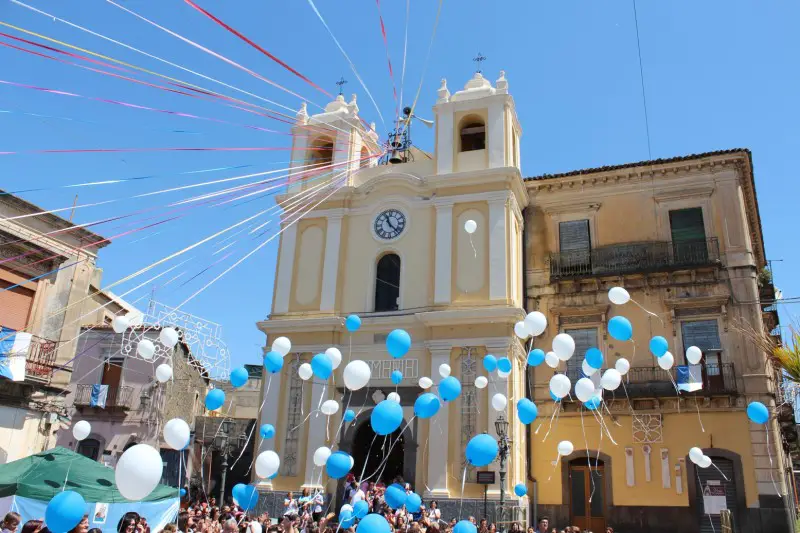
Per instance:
{"type": "Point", "coordinates": [330, 269]}
{"type": "Point", "coordinates": [496, 135]}
{"type": "Point", "coordinates": [316, 434]}
{"type": "Point", "coordinates": [498, 249]}
{"type": "Point", "coordinates": [438, 448]}
{"type": "Point", "coordinates": [268, 414]}
{"type": "Point", "coordinates": [283, 283]}
{"type": "Point", "coordinates": [444, 253]}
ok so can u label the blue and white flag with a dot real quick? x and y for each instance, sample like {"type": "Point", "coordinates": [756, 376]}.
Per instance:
{"type": "Point", "coordinates": [99, 396]}
{"type": "Point", "coordinates": [690, 378]}
{"type": "Point", "coordinates": [14, 348]}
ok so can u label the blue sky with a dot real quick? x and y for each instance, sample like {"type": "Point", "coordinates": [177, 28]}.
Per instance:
{"type": "Point", "coordinates": [718, 74]}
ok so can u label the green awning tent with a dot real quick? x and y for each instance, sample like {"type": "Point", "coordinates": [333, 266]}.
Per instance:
{"type": "Point", "coordinates": [27, 485]}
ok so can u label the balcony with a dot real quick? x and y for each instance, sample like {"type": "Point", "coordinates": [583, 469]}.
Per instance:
{"type": "Point", "coordinates": [628, 258]}
{"type": "Point", "coordinates": [118, 397]}
{"type": "Point", "coordinates": [41, 360]}
{"type": "Point", "coordinates": [654, 382]}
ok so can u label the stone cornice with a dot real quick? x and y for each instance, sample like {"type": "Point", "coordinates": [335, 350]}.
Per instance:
{"type": "Point", "coordinates": [682, 194]}
{"type": "Point", "coordinates": [578, 207]}
{"type": "Point", "coordinates": [696, 301]}
{"type": "Point", "coordinates": [453, 317]}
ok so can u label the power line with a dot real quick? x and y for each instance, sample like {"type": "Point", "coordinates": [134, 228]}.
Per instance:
{"type": "Point", "coordinates": [641, 78]}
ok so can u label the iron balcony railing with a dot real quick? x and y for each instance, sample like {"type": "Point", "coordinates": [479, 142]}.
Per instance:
{"type": "Point", "coordinates": [118, 397]}
{"type": "Point", "coordinates": [40, 358]}
{"type": "Point", "coordinates": [633, 257]}
{"type": "Point", "coordinates": [655, 382]}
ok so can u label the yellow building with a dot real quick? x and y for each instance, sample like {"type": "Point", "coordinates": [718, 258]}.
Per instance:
{"type": "Point", "coordinates": [389, 244]}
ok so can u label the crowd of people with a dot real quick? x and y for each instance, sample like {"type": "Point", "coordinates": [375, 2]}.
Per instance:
{"type": "Point", "coordinates": [129, 523]}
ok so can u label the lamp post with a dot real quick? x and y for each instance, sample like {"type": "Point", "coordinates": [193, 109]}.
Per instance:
{"type": "Point", "coordinates": [225, 447]}
{"type": "Point", "coordinates": [501, 427]}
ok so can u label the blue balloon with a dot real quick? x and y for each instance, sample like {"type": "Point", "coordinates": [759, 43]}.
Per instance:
{"type": "Point", "coordinates": [248, 497]}
{"type": "Point", "coordinates": [413, 502]}
{"type": "Point", "coordinates": [273, 362]}
{"type": "Point", "coordinates": [594, 357]}
{"type": "Point", "coordinates": [236, 491]}
{"type": "Point", "coordinates": [620, 328]}
{"type": "Point", "coordinates": [360, 509]}
{"type": "Point", "coordinates": [352, 323]}
{"type": "Point", "coordinates": [490, 363]}
{"type": "Point", "coordinates": [536, 357]}
{"type": "Point", "coordinates": [395, 495]}
{"type": "Point", "coordinates": [267, 431]}
{"type": "Point", "coordinates": [397, 377]}
{"type": "Point", "coordinates": [214, 399]}
{"type": "Point", "coordinates": [481, 450]}
{"type": "Point", "coordinates": [373, 523]}
{"type": "Point", "coordinates": [758, 412]}
{"type": "Point", "coordinates": [465, 526]}
{"type": "Point", "coordinates": [520, 490]}
{"type": "Point", "coordinates": [346, 518]}
{"type": "Point", "coordinates": [273, 476]}
{"type": "Point", "coordinates": [658, 346]}
{"type": "Point", "coordinates": [593, 403]}
{"type": "Point", "coordinates": [322, 366]}
{"type": "Point", "coordinates": [239, 377]}
{"type": "Point", "coordinates": [526, 411]}
{"type": "Point", "coordinates": [65, 511]}
{"type": "Point", "coordinates": [449, 388]}
{"type": "Point", "coordinates": [504, 364]}
{"type": "Point", "coordinates": [426, 405]}
{"type": "Point", "coordinates": [349, 415]}
{"type": "Point", "coordinates": [554, 397]}
{"type": "Point", "coordinates": [182, 492]}
{"type": "Point", "coordinates": [338, 465]}
{"type": "Point", "coordinates": [386, 417]}
{"type": "Point", "coordinates": [398, 343]}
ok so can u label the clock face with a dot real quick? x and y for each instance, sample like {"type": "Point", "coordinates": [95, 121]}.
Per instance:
{"type": "Point", "coordinates": [390, 224]}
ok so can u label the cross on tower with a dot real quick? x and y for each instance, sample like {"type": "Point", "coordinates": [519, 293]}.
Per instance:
{"type": "Point", "coordinates": [341, 83]}
{"type": "Point", "coordinates": [478, 60]}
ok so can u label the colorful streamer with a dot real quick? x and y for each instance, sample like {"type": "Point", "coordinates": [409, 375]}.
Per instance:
{"type": "Point", "coordinates": [388, 59]}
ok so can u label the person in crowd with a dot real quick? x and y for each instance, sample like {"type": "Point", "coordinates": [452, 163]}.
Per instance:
{"type": "Point", "coordinates": [357, 495]}
{"type": "Point", "coordinates": [83, 525]}
{"type": "Point", "coordinates": [434, 514]}
{"type": "Point", "coordinates": [290, 507]}
{"type": "Point", "coordinates": [11, 522]}
{"type": "Point", "coordinates": [95, 530]}
{"type": "Point", "coordinates": [185, 524]}
{"type": "Point", "coordinates": [544, 523]}
{"type": "Point", "coordinates": [32, 526]}
{"type": "Point", "coordinates": [515, 528]}
{"type": "Point", "coordinates": [230, 526]}
{"type": "Point", "coordinates": [169, 528]}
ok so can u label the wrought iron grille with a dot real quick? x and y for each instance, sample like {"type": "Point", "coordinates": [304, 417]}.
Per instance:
{"type": "Point", "coordinates": [294, 421]}
{"type": "Point", "coordinates": [117, 397]}
{"type": "Point", "coordinates": [469, 406]}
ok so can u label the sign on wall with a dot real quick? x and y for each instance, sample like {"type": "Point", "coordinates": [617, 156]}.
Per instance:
{"type": "Point", "coordinates": [383, 368]}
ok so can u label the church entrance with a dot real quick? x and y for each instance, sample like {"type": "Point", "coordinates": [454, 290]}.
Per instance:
{"type": "Point", "coordinates": [384, 457]}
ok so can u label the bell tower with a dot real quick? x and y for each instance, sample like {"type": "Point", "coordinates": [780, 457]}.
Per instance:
{"type": "Point", "coordinates": [477, 127]}
{"type": "Point", "coordinates": [330, 146]}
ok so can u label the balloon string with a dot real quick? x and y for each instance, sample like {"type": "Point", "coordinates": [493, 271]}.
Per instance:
{"type": "Point", "coordinates": [588, 455]}
{"type": "Point", "coordinates": [394, 443]}
{"type": "Point", "coordinates": [699, 419]}
{"type": "Point", "coordinates": [554, 415]}
{"type": "Point", "coordinates": [771, 468]}
{"type": "Point", "coordinates": [474, 251]}
{"type": "Point", "coordinates": [461, 503]}
{"type": "Point", "coordinates": [720, 471]}
{"type": "Point", "coordinates": [555, 465]}
{"type": "Point", "coordinates": [250, 436]}
{"type": "Point", "coordinates": [648, 312]}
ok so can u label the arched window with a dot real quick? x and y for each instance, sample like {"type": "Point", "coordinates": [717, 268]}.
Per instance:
{"type": "Point", "coordinates": [387, 283]}
{"type": "Point", "coordinates": [89, 448]}
{"type": "Point", "coordinates": [321, 152]}
{"type": "Point", "coordinates": [473, 135]}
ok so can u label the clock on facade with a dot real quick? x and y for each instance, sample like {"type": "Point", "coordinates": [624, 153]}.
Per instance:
{"type": "Point", "coordinates": [390, 224]}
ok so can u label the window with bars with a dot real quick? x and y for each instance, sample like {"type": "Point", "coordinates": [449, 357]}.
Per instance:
{"type": "Point", "coordinates": [584, 338]}
{"type": "Point", "coordinates": [705, 335]}
{"type": "Point", "coordinates": [469, 406]}
{"type": "Point", "coordinates": [294, 420]}
{"type": "Point", "coordinates": [574, 244]}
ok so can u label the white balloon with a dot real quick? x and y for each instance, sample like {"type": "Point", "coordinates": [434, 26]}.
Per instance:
{"type": "Point", "coordinates": [695, 454]}
{"type": "Point", "coordinates": [168, 337]}
{"type": "Point", "coordinates": [146, 349]}
{"type": "Point", "coordinates": [552, 359]}
{"type": "Point", "coordinates": [611, 379]}
{"type": "Point", "coordinates": [393, 397]}
{"type": "Point", "coordinates": [329, 407]}
{"type": "Point", "coordinates": [666, 361]}
{"type": "Point", "coordinates": [321, 455]}
{"type": "Point", "coordinates": [560, 385]}
{"type": "Point", "coordinates": [138, 472]}
{"type": "Point", "coordinates": [81, 430]}
{"type": "Point", "coordinates": [352, 461]}
{"type": "Point", "coordinates": [565, 448]}
{"type": "Point", "coordinates": [346, 508]}
{"type": "Point", "coordinates": [564, 346]}
{"type": "Point", "coordinates": [499, 402]}
{"type": "Point", "coordinates": [444, 370]}
{"type": "Point", "coordinates": [521, 330]}
{"type": "Point", "coordinates": [305, 372]}
{"type": "Point", "coordinates": [267, 464]}
{"type": "Point", "coordinates": [693, 355]}
{"type": "Point", "coordinates": [481, 382]}
{"type": "Point", "coordinates": [425, 383]}
{"type": "Point", "coordinates": [618, 295]}
{"type": "Point", "coordinates": [335, 356]}
{"type": "Point", "coordinates": [282, 345]}
{"type": "Point", "coordinates": [622, 365]}
{"type": "Point", "coordinates": [536, 323]}
{"type": "Point", "coordinates": [470, 226]}
{"type": "Point", "coordinates": [503, 375]}
{"type": "Point", "coordinates": [356, 375]}
{"type": "Point", "coordinates": [704, 462]}
{"type": "Point", "coordinates": [120, 323]}
{"type": "Point", "coordinates": [176, 434]}
{"type": "Point", "coordinates": [584, 389]}
{"type": "Point", "coordinates": [587, 369]}
{"type": "Point", "coordinates": [163, 373]}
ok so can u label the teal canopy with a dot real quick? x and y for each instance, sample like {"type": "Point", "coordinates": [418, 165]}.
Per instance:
{"type": "Point", "coordinates": [43, 475]}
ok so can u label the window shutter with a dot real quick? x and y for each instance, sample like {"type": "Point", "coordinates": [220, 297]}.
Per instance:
{"type": "Point", "coordinates": [687, 225]}
{"type": "Point", "coordinates": [701, 333]}
{"type": "Point", "coordinates": [584, 339]}
{"type": "Point", "coordinates": [574, 235]}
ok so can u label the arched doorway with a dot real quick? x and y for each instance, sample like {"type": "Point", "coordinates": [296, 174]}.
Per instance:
{"type": "Point", "coordinates": [587, 494]}
{"type": "Point", "coordinates": [381, 458]}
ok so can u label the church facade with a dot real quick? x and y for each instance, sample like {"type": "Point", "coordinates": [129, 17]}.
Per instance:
{"type": "Point", "coordinates": [387, 242]}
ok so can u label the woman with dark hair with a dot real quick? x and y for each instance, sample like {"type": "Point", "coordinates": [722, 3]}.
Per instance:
{"type": "Point", "coordinates": [32, 526]}
{"type": "Point", "coordinates": [127, 524]}
{"type": "Point", "coordinates": [82, 527]}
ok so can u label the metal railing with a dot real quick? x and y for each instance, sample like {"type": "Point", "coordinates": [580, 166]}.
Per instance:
{"type": "Point", "coordinates": [119, 397]}
{"type": "Point", "coordinates": [625, 258]}
{"type": "Point", "coordinates": [41, 360]}
{"type": "Point", "coordinates": [654, 382]}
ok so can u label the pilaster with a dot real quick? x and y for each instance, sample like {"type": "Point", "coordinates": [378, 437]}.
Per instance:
{"type": "Point", "coordinates": [437, 455]}
{"type": "Point", "coordinates": [330, 269]}
{"type": "Point", "coordinates": [498, 249]}
{"type": "Point", "coordinates": [283, 282]}
{"type": "Point", "coordinates": [444, 253]}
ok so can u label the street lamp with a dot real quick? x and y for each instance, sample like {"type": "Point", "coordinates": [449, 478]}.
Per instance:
{"type": "Point", "coordinates": [501, 427]}
{"type": "Point", "coordinates": [223, 444]}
